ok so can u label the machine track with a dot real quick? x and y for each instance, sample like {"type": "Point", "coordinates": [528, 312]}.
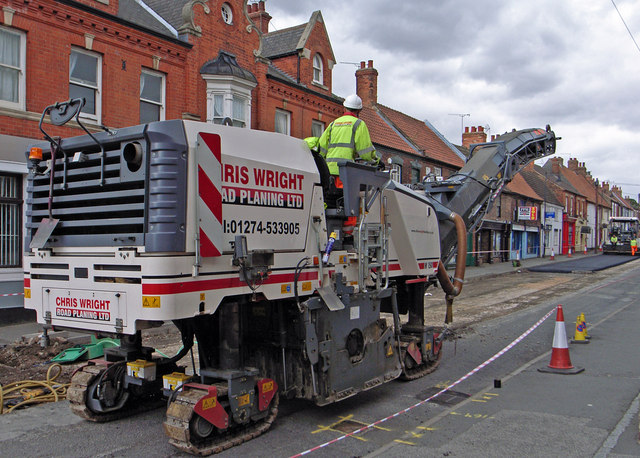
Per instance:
{"type": "Point", "coordinates": [180, 415]}
{"type": "Point", "coordinates": [80, 387]}
{"type": "Point", "coordinates": [423, 369]}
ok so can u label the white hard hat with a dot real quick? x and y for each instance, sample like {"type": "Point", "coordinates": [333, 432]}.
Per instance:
{"type": "Point", "coordinates": [353, 101]}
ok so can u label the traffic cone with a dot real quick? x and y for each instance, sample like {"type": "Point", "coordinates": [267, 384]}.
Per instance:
{"type": "Point", "coordinates": [583, 320]}
{"type": "Point", "coordinates": [569, 255]}
{"type": "Point", "coordinates": [560, 360]}
{"type": "Point", "coordinates": [585, 249]}
{"type": "Point", "coordinates": [553, 255]}
{"type": "Point", "coordinates": [580, 336]}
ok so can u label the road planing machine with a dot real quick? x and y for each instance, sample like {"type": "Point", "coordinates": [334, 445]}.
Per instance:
{"type": "Point", "coordinates": [238, 238]}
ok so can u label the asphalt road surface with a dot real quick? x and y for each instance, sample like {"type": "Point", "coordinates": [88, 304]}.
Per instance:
{"type": "Point", "coordinates": [587, 264]}
{"type": "Point", "coordinates": [594, 413]}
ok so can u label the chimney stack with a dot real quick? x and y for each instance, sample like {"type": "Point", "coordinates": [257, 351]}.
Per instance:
{"type": "Point", "coordinates": [259, 16]}
{"type": "Point", "coordinates": [477, 135]}
{"type": "Point", "coordinates": [572, 164]}
{"type": "Point", "coordinates": [556, 164]}
{"type": "Point", "coordinates": [615, 189]}
{"type": "Point", "coordinates": [367, 84]}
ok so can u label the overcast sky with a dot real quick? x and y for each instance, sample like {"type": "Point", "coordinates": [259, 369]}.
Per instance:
{"type": "Point", "coordinates": [509, 64]}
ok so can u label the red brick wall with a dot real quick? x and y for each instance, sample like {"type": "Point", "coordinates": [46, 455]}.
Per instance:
{"type": "Point", "coordinates": [303, 107]}
{"type": "Point", "coordinates": [53, 28]}
{"type": "Point", "coordinates": [317, 43]}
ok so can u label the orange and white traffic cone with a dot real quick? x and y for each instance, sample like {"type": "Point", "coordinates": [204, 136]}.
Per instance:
{"type": "Point", "coordinates": [553, 255]}
{"type": "Point", "coordinates": [569, 255]}
{"type": "Point", "coordinates": [585, 249]}
{"type": "Point", "coordinates": [560, 360]}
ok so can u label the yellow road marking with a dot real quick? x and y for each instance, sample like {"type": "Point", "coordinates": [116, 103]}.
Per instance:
{"type": "Point", "coordinates": [404, 442]}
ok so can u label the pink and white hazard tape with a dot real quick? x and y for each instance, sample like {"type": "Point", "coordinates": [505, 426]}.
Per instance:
{"type": "Point", "coordinates": [11, 294]}
{"type": "Point", "coordinates": [460, 380]}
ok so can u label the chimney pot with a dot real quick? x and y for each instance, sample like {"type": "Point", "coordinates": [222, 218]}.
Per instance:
{"type": "Point", "coordinates": [473, 136]}
{"type": "Point", "coordinates": [370, 64]}
{"type": "Point", "coordinates": [362, 64]}
{"type": "Point", "coordinates": [259, 16]}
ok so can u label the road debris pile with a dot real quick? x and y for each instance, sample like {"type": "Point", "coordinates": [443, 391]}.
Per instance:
{"type": "Point", "coordinates": [26, 360]}
{"type": "Point", "coordinates": [27, 377]}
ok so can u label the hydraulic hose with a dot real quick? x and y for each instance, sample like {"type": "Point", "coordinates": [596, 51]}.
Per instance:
{"type": "Point", "coordinates": [20, 394]}
{"type": "Point", "coordinates": [454, 289]}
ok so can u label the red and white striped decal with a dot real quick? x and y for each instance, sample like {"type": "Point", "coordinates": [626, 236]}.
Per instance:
{"type": "Point", "coordinates": [209, 157]}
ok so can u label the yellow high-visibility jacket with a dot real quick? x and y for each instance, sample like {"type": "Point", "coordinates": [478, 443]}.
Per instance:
{"type": "Point", "coordinates": [346, 138]}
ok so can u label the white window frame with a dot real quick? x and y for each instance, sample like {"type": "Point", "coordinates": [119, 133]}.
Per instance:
{"type": "Point", "coordinates": [22, 86]}
{"type": "Point", "coordinates": [163, 89]}
{"type": "Point", "coordinates": [318, 68]}
{"type": "Point", "coordinates": [97, 88]}
{"type": "Point", "coordinates": [227, 13]}
{"type": "Point", "coordinates": [396, 173]}
{"type": "Point", "coordinates": [230, 88]}
{"type": "Point", "coordinates": [287, 117]}
{"type": "Point", "coordinates": [317, 128]}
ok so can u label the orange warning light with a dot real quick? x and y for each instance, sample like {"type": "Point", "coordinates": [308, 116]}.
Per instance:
{"type": "Point", "coordinates": [35, 154]}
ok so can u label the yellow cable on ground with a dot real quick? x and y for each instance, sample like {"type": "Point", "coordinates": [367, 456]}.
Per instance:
{"type": "Point", "coordinates": [22, 393]}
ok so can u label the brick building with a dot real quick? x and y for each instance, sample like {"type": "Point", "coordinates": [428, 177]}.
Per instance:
{"type": "Point", "coordinates": [575, 205]}
{"type": "Point", "coordinates": [140, 61]}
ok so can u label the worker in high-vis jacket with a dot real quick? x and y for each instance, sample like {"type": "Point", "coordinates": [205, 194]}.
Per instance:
{"type": "Point", "coordinates": [347, 138]}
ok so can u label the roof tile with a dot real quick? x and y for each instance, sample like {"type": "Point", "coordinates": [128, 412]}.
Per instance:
{"type": "Point", "coordinates": [519, 186]}
{"type": "Point", "coordinates": [426, 141]}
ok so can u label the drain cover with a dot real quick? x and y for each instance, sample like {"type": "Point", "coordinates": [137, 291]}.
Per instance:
{"type": "Point", "coordinates": [448, 398]}
{"type": "Point", "coordinates": [348, 426]}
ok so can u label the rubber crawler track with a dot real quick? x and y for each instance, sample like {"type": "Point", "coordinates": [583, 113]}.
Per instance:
{"type": "Point", "coordinates": [77, 396]}
{"type": "Point", "coordinates": [422, 370]}
{"type": "Point", "coordinates": [180, 413]}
